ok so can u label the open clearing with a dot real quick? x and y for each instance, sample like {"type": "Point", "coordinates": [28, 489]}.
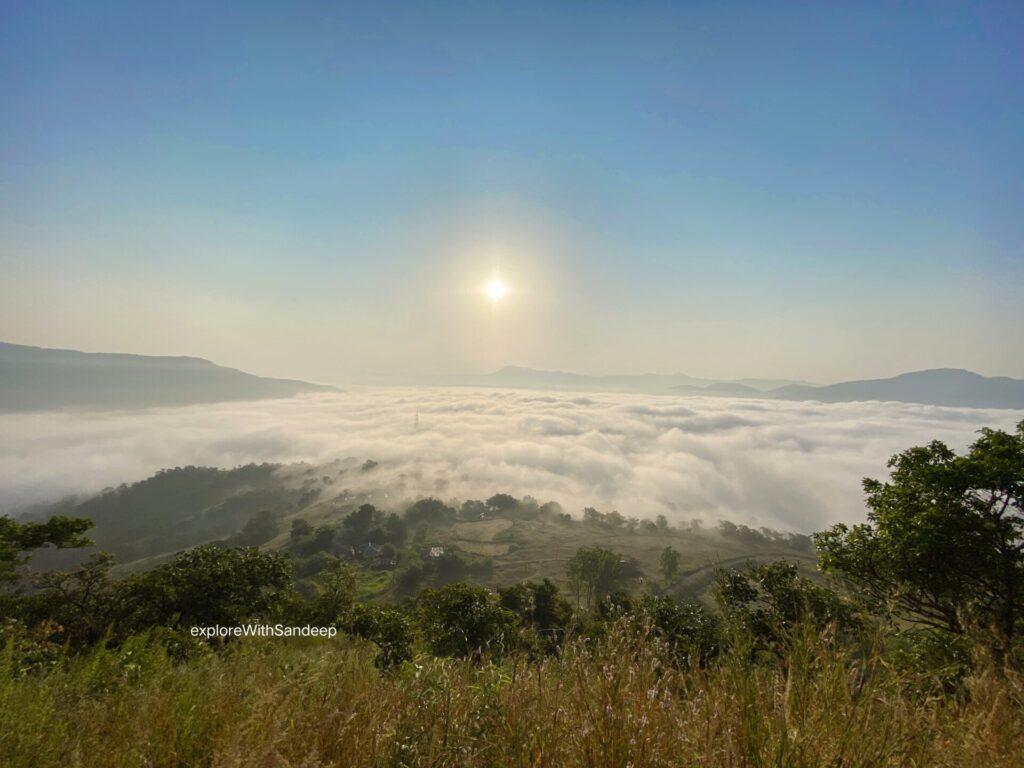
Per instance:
{"type": "Point", "coordinates": [478, 537]}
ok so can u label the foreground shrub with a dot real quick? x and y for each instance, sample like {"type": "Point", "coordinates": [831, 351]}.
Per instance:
{"type": "Point", "coordinates": [465, 621]}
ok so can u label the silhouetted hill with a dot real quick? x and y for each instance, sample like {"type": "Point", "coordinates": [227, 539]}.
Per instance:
{"type": "Point", "coordinates": [34, 378]}
{"type": "Point", "coordinates": [941, 386]}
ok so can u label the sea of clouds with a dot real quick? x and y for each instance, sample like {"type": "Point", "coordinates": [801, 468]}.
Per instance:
{"type": "Point", "coordinates": [788, 465]}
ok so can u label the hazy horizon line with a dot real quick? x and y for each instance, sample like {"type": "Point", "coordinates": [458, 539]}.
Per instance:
{"type": "Point", "coordinates": [422, 378]}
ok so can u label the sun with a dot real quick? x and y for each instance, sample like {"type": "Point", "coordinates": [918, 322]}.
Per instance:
{"type": "Point", "coordinates": [496, 290]}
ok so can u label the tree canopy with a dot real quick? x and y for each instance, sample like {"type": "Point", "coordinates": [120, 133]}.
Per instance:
{"type": "Point", "coordinates": [594, 572]}
{"type": "Point", "coordinates": [18, 540]}
{"type": "Point", "coordinates": [944, 541]}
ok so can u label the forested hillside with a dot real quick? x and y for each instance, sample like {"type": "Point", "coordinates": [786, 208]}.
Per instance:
{"type": "Point", "coordinates": [310, 514]}
{"type": "Point", "coordinates": [325, 630]}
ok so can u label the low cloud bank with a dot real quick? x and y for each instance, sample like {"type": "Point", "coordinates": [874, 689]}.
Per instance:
{"type": "Point", "coordinates": [795, 466]}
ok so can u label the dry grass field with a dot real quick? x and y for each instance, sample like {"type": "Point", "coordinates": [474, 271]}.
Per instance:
{"type": "Point", "coordinates": [301, 705]}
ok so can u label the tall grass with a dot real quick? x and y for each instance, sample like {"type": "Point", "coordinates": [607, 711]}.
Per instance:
{"type": "Point", "coordinates": [278, 703]}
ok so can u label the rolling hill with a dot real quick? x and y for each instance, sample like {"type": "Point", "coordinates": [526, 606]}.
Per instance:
{"type": "Point", "coordinates": [940, 386]}
{"type": "Point", "coordinates": [35, 378]}
{"type": "Point", "coordinates": [144, 523]}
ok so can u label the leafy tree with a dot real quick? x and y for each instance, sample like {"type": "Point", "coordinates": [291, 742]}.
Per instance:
{"type": "Point", "coordinates": [396, 530]}
{"type": "Point", "coordinates": [540, 609]}
{"type": "Point", "coordinates": [447, 568]}
{"type": "Point", "coordinates": [304, 567]}
{"type": "Point", "coordinates": [551, 509]}
{"type": "Point", "coordinates": [211, 585]}
{"type": "Point", "coordinates": [18, 540]}
{"type": "Point", "coordinates": [615, 519]}
{"type": "Point", "coordinates": [408, 579]}
{"type": "Point", "coordinates": [502, 504]}
{"type": "Point", "coordinates": [594, 572]}
{"type": "Point", "coordinates": [472, 509]}
{"type": "Point", "coordinates": [689, 630]}
{"type": "Point", "coordinates": [322, 539]}
{"type": "Point", "coordinates": [429, 511]}
{"type": "Point", "coordinates": [669, 565]}
{"type": "Point", "coordinates": [944, 541]}
{"type": "Point", "coordinates": [528, 508]}
{"type": "Point", "coordinates": [300, 528]}
{"type": "Point", "coordinates": [742, 533]}
{"type": "Point", "coordinates": [591, 515]}
{"type": "Point", "coordinates": [335, 593]}
{"type": "Point", "coordinates": [259, 529]}
{"type": "Point", "coordinates": [85, 601]}
{"type": "Point", "coordinates": [768, 600]}
{"type": "Point", "coordinates": [465, 621]}
{"type": "Point", "coordinates": [385, 627]}
{"type": "Point", "coordinates": [355, 527]}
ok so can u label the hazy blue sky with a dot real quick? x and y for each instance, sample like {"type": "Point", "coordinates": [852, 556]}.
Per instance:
{"type": "Point", "coordinates": [805, 190]}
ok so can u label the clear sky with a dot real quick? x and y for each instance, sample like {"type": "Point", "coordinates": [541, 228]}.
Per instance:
{"type": "Point", "coordinates": [805, 190]}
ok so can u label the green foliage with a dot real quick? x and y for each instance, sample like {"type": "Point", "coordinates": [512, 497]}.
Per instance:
{"type": "Point", "coordinates": [472, 509]}
{"type": "Point", "coordinates": [429, 512]}
{"type": "Point", "coordinates": [768, 601]}
{"type": "Point", "coordinates": [355, 527]}
{"type": "Point", "coordinates": [594, 573]}
{"type": "Point", "coordinates": [259, 529]}
{"type": "Point", "coordinates": [96, 671]}
{"type": "Point", "coordinates": [335, 594]}
{"type": "Point", "coordinates": [417, 572]}
{"type": "Point", "coordinates": [502, 503]}
{"type": "Point", "coordinates": [25, 650]}
{"type": "Point", "coordinates": [85, 602]}
{"type": "Point", "coordinates": [611, 704]}
{"type": "Point", "coordinates": [669, 565]}
{"type": "Point", "coordinates": [396, 531]}
{"type": "Point", "coordinates": [182, 507]}
{"type": "Point", "coordinates": [322, 539]}
{"type": "Point", "coordinates": [211, 585]}
{"type": "Point", "coordinates": [691, 633]}
{"type": "Point", "coordinates": [300, 528]}
{"type": "Point", "coordinates": [465, 621]}
{"type": "Point", "coordinates": [306, 567]}
{"type": "Point", "coordinates": [944, 545]}
{"type": "Point", "coordinates": [541, 611]}
{"type": "Point", "coordinates": [387, 628]}
{"type": "Point", "coordinates": [19, 540]}
{"type": "Point", "coordinates": [933, 660]}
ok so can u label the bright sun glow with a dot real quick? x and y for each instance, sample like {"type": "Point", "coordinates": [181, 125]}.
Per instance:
{"type": "Point", "coordinates": [496, 290]}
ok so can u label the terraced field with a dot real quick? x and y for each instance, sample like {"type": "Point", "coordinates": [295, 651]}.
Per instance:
{"type": "Point", "coordinates": [478, 537]}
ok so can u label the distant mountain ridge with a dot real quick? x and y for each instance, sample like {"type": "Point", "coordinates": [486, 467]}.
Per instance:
{"type": "Point", "coordinates": [938, 386]}
{"type": "Point", "coordinates": [37, 378]}
{"type": "Point", "coordinates": [941, 386]}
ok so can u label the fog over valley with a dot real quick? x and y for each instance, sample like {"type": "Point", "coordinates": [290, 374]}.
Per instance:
{"type": "Point", "coordinates": [788, 465]}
